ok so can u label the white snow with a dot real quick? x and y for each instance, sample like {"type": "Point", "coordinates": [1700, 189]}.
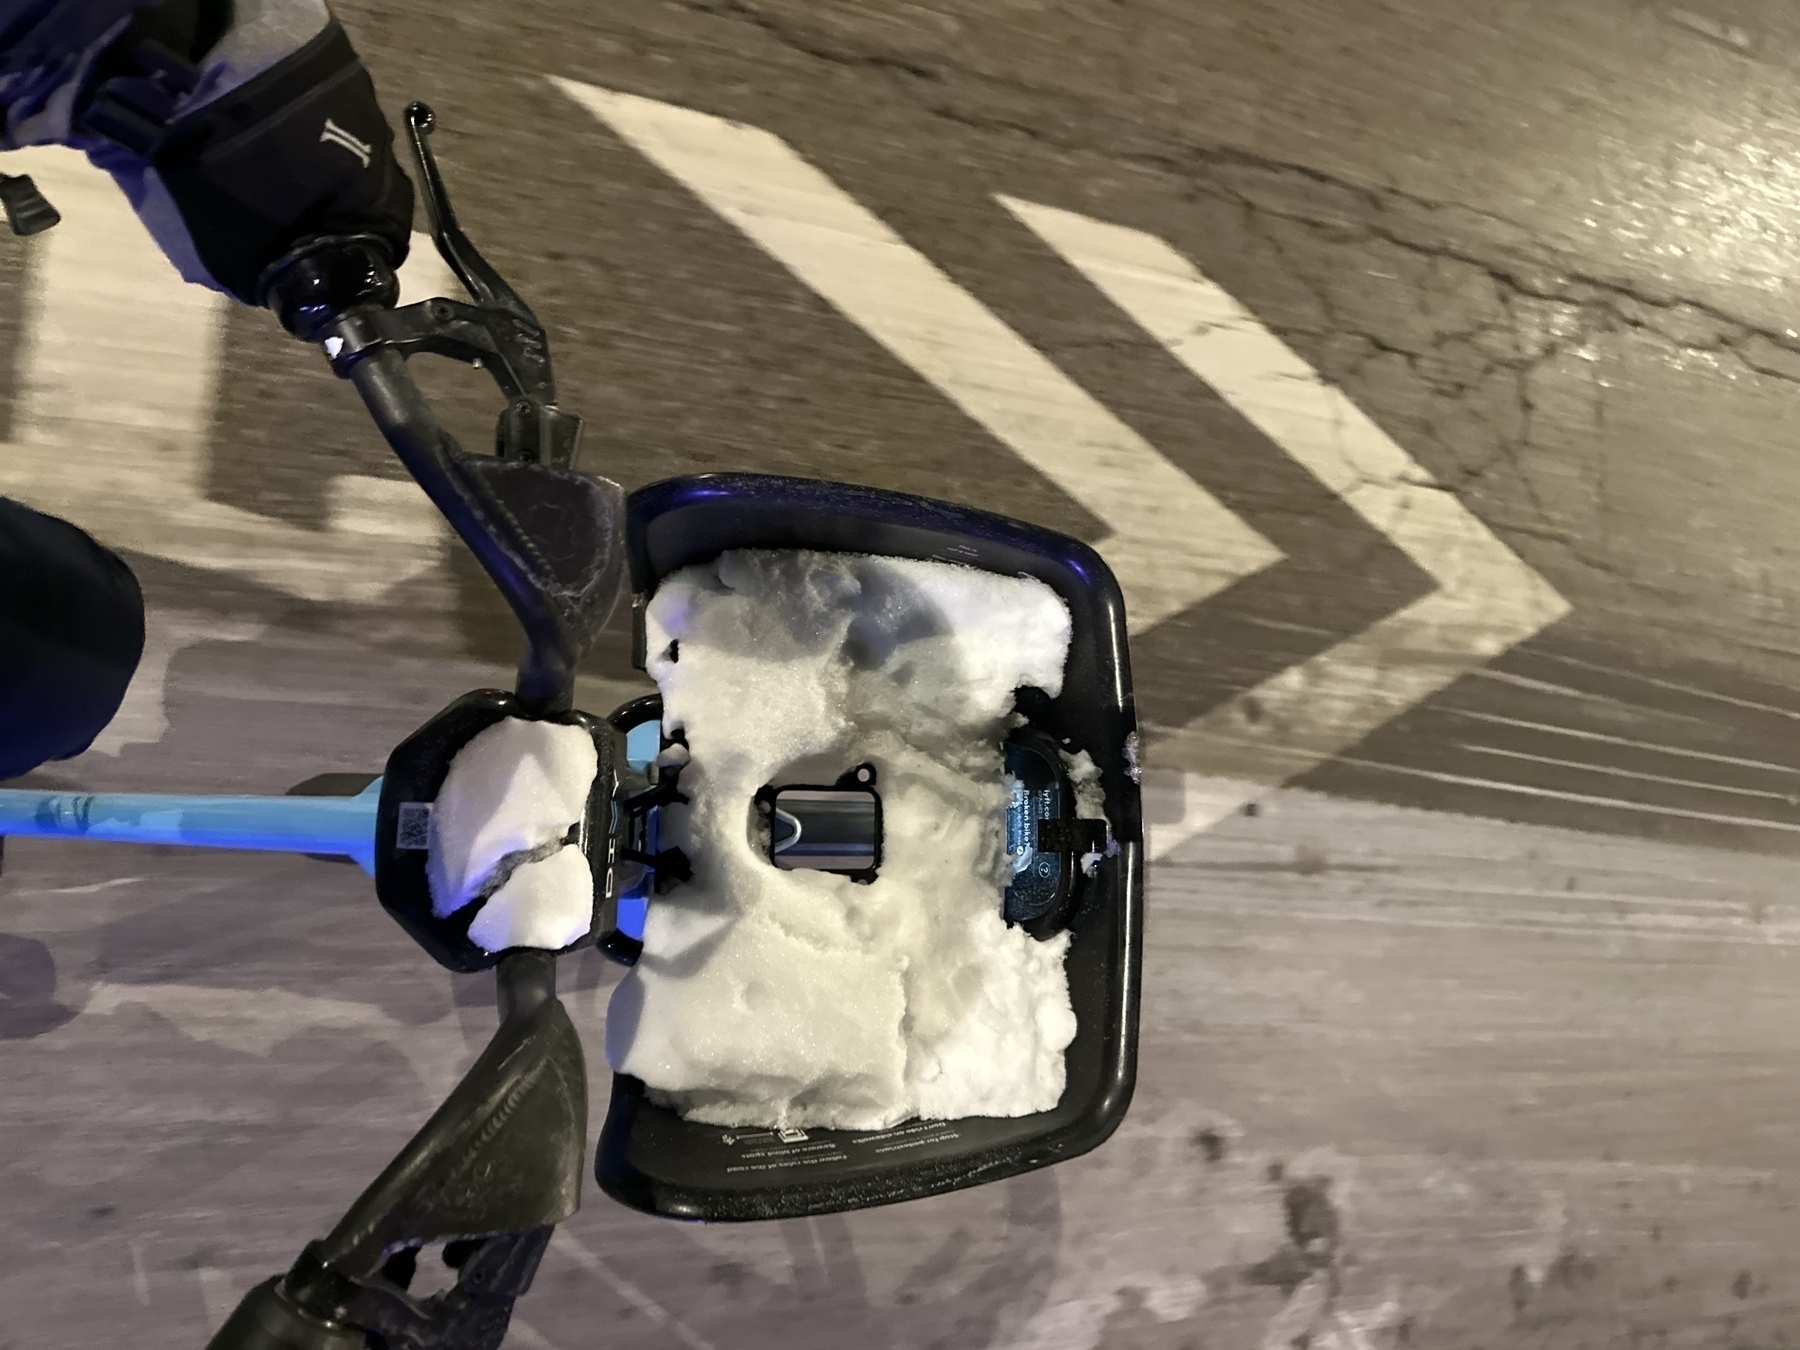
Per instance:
{"type": "Point", "coordinates": [1090, 804]}
{"type": "Point", "coordinates": [547, 902]}
{"type": "Point", "coordinates": [768, 997]}
{"type": "Point", "coordinates": [510, 798]}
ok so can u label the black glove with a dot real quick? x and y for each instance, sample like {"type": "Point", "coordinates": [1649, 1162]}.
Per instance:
{"type": "Point", "coordinates": [238, 129]}
{"type": "Point", "coordinates": [299, 151]}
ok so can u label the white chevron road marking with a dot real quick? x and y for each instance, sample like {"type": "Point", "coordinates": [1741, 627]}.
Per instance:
{"type": "Point", "coordinates": [1172, 543]}
{"type": "Point", "coordinates": [1487, 599]}
{"type": "Point", "coordinates": [120, 365]}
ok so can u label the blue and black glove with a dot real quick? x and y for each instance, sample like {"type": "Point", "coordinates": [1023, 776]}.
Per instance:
{"type": "Point", "coordinates": [239, 129]}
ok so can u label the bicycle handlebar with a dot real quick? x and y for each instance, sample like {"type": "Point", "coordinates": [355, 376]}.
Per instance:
{"type": "Point", "coordinates": [550, 538]}
{"type": "Point", "coordinates": [450, 479]}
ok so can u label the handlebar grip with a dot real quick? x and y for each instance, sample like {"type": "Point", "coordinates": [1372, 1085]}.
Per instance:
{"type": "Point", "coordinates": [313, 285]}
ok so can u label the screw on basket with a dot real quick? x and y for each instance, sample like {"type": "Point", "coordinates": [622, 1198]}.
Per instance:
{"type": "Point", "coordinates": [28, 211]}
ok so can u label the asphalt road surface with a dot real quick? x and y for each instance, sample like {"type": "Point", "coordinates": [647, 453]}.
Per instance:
{"type": "Point", "coordinates": [1428, 373]}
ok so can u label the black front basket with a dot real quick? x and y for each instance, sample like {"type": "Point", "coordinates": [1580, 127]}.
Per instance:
{"type": "Point", "coordinates": [651, 1159]}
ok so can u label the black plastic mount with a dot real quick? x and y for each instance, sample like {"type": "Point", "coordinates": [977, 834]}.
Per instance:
{"type": "Point", "coordinates": [847, 813]}
{"type": "Point", "coordinates": [1042, 900]}
{"type": "Point", "coordinates": [415, 773]}
{"type": "Point", "coordinates": [491, 1275]}
{"type": "Point", "coordinates": [652, 1159]}
{"type": "Point", "coordinates": [671, 865]}
{"type": "Point", "coordinates": [510, 348]}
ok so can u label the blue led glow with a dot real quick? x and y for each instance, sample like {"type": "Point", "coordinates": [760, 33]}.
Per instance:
{"type": "Point", "coordinates": [339, 825]}
{"type": "Point", "coordinates": [642, 744]}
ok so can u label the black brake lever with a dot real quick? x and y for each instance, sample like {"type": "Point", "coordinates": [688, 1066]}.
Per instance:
{"type": "Point", "coordinates": [482, 282]}
{"type": "Point", "coordinates": [532, 427]}
{"type": "Point", "coordinates": [340, 291]}
{"type": "Point", "coordinates": [497, 332]}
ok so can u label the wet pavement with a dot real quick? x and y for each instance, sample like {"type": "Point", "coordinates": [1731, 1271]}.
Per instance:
{"type": "Point", "coordinates": [1475, 1034]}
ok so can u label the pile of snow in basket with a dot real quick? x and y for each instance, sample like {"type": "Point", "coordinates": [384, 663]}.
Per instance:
{"type": "Point", "coordinates": [498, 827]}
{"type": "Point", "coordinates": [769, 997]}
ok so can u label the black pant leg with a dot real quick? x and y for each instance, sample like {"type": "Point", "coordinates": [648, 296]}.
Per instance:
{"type": "Point", "coordinates": [71, 633]}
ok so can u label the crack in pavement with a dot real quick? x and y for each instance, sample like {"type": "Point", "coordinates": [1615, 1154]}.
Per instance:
{"type": "Point", "coordinates": [1495, 315]}
{"type": "Point", "coordinates": [1554, 388]}
{"type": "Point", "coordinates": [1628, 305]}
{"type": "Point", "coordinates": [789, 35]}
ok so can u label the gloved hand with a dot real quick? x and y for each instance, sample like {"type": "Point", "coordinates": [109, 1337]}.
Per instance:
{"type": "Point", "coordinates": [237, 128]}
